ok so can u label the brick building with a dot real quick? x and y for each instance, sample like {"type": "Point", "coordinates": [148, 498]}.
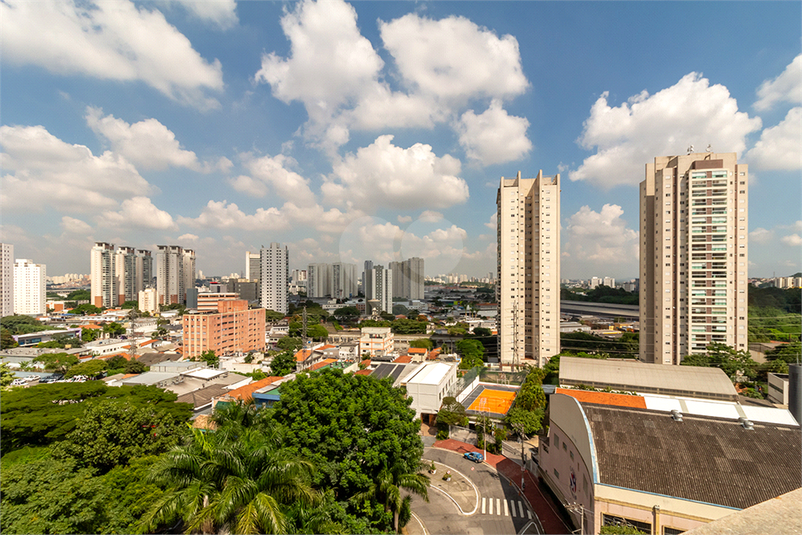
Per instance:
{"type": "Point", "coordinates": [232, 327]}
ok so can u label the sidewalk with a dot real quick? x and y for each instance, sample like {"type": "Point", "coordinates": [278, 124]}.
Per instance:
{"type": "Point", "coordinates": [544, 507]}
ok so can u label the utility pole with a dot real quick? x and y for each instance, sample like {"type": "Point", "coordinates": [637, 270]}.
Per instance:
{"type": "Point", "coordinates": [303, 335]}
{"type": "Point", "coordinates": [519, 428]}
{"type": "Point", "coordinates": [132, 339]}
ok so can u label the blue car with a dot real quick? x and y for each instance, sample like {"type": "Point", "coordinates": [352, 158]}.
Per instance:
{"type": "Point", "coordinates": [474, 456]}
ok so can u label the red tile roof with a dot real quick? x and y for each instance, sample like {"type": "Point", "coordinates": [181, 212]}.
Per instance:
{"type": "Point", "coordinates": [404, 359]}
{"type": "Point", "coordinates": [363, 372]}
{"type": "Point", "coordinates": [246, 392]}
{"type": "Point", "coordinates": [604, 398]}
{"type": "Point", "coordinates": [302, 355]}
{"type": "Point", "coordinates": [418, 350]}
{"type": "Point", "coordinates": [323, 363]}
{"type": "Point", "coordinates": [366, 362]}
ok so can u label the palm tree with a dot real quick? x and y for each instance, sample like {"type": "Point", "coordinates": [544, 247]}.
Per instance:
{"type": "Point", "coordinates": [240, 484]}
{"type": "Point", "coordinates": [387, 489]}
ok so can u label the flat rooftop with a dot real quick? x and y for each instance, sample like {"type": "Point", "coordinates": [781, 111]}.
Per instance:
{"type": "Point", "coordinates": [688, 381]}
{"type": "Point", "coordinates": [428, 374]}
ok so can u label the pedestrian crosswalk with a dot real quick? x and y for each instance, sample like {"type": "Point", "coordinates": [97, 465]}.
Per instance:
{"type": "Point", "coordinates": [514, 508]}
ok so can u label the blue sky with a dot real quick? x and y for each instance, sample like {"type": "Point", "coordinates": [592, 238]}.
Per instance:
{"type": "Point", "coordinates": [379, 130]}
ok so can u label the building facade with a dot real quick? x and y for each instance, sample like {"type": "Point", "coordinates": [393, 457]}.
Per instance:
{"type": "Point", "coordinates": [528, 288]}
{"type": "Point", "coordinates": [408, 278]}
{"type": "Point", "coordinates": [170, 278]}
{"type": "Point", "coordinates": [231, 328]}
{"type": "Point", "coordinates": [6, 279]}
{"type": "Point", "coordinates": [694, 255]}
{"type": "Point", "coordinates": [104, 292]}
{"type": "Point", "coordinates": [274, 264]}
{"type": "Point", "coordinates": [29, 287]}
{"type": "Point", "coordinates": [376, 342]}
{"type": "Point", "coordinates": [343, 280]}
{"type": "Point", "coordinates": [318, 280]}
{"type": "Point", "coordinates": [379, 292]}
{"type": "Point", "coordinates": [148, 301]}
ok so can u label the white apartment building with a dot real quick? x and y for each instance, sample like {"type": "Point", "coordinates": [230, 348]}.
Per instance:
{"type": "Point", "coordinates": [376, 341]}
{"type": "Point", "coordinates": [343, 280]}
{"type": "Point", "coordinates": [175, 273]}
{"type": "Point", "coordinates": [380, 289]}
{"type": "Point", "coordinates": [693, 255]}
{"type": "Point", "coordinates": [274, 277]}
{"type": "Point", "coordinates": [6, 279]}
{"type": "Point", "coordinates": [29, 287]}
{"type": "Point", "coordinates": [408, 278]}
{"type": "Point", "coordinates": [148, 300]}
{"type": "Point", "coordinates": [528, 289]}
{"type": "Point", "coordinates": [188, 261]}
{"type": "Point", "coordinates": [103, 276]}
{"type": "Point", "coordinates": [318, 280]}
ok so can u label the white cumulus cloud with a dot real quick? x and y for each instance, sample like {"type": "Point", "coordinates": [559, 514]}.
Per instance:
{"type": "Point", "coordinates": [287, 184]}
{"type": "Point", "coordinates": [494, 136]}
{"type": "Point", "coordinates": [787, 87]}
{"type": "Point", "coordinates": [42, 170]}
{"type": "Point", "coordinates": [75, 226]}
{"type": "Point", "coordinates": [110, 41]}
{"type": "Point", "coordinates": [138, 212]}
{"type": "Point", "coordinates": [793, 240]}
{"type": "Point", "coordinates": [148, 144]}
{"type": "Point", "coordinates": [385, 175]}
{"type": "Point", "coordinates": [223, 13]}
{"type": "Point", "coordinates": [761, 235]}
{"type": "Point", "coordinates": [691, 112]}
{"type": "Point", "coordinates": [780, 147]}
{"type": "Point", "coordinates": [453, 59]}
{"type": "Point", "coordinates": [595, 239]}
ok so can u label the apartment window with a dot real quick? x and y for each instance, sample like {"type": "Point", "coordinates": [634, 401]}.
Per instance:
{"type": "Point", "coordinates": [556, 473]}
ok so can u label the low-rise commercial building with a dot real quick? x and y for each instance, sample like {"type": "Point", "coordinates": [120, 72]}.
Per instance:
{"type": "Point", "coordinates": [428, 384]}
{"type": "Point", "coordinates": [376, 341]}
{"type": "Point", "coordinates": [613, 461]}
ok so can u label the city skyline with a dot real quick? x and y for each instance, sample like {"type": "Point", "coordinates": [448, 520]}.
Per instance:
{"type": "Point", "coordinates": [254, 129]}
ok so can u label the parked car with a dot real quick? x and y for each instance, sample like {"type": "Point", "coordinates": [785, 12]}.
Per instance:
{"type": "Point", "coordinates": [474, 456]}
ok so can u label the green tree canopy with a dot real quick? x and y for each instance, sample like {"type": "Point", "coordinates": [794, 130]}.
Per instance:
{"type": "Point", "coordinates": [531, 421]}
{"type": "Point", "coordinates": [21, 324]}
{"type": "Point", "coordinates": [452, 412]}
{"type": "Point", "coordinates": [57, 362]}
{"type": "Point", "coordinates": [90, 368]}
{"type": "Point", "coordinates": [7, 339]}
{"type": "Point", "coordinates": [89, 335]}
{"type": "Point", "coordinates": [425, 343]}
{"type": "Point", "coordinates": [318, 332]}
{"type": "Point", "coordinates": [130, 305]}
{"type": "Point", "coordinates": [350, 426]}
{"type": "Point", "coordinates": [482, 331]}
{"type": "Point", "coordinates": [289, 343]}
{"type": "Point", "coordinates": [86, 309]}
{"type": "Point", "coordinates": [42, 414]}
{"type": "Point", "coordinates": [272, 315]}
{"type": "Point", "coordinates": [282, 364]}
{"type": "Point", "coordinates": [531, 395]}
{"type": "Point", "coordinates": [408, 326]}
{"type": "Point", "coordinates": [114, 329]}
{"type": "Point", "coordinates": [79, 295]}
{"type": "Point", "coordinates": [112, 432]}
{"type": "Point", "coordinates": [209, 358]}
{"type": "Point", "coordinates": [346, 313]}
{"type": "Point", "coordinates": [789, 353]}
{"type": "Point", "coordinates": [6, 375]}
{"type": "Point", "coordinates": [725, 357]}
{"type": "Point", "coordinates": [472, 353]}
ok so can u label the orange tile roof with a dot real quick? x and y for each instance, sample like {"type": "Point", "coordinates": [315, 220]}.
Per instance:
{"type": "Point", "coordinates": [433, 354]}
{"type": "Point", "coordinates": [366, 362]}
{"type": "Point", "coordinates": [106, 357]}
{"type": "Point", "coordinates": [604, 398]}
{"type": "Point", "coordinates": [327, 346]}
{"type": "Point", "coordinates": [127, 375]}
{"type": "Point", "coordinates": [246, 392]}
{"type": "Point", "coordinates": [302, 355]}
{"type": "Point", "coordinates": [418, 350]}
{"type": "Point", "coordinates": [323, 363]}
{"type": "Point", "coordinates": [363, 372]}
{"type": "Point", "coordinates": [92, 326]}
{"type": "Point", "coordinates": [404, 359]}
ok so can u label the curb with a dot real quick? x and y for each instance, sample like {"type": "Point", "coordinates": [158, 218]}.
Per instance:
{"type": "Point", "coordinates": [475, 490]}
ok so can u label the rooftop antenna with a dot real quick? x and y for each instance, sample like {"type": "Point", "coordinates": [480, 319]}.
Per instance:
{"type": "Point", "coordinates": [690, 149]}
{"type": "Point", "coordinates": [709, 148]}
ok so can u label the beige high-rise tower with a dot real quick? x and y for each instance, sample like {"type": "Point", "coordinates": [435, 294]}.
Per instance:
{"type": "Point", "coordinates": [694, 255]}
{"type": "Point", "coordinates": [528, 288]}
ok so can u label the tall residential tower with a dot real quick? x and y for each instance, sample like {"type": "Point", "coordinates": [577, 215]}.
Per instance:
{"type": "Point", "coordinates": [274, 278]}
{"type": "Point", "coordinates": [694, 255]}
{"type": "Point", "coordinates": [6, 279]}
{"type": "Point", "coordinates": [528, 288]}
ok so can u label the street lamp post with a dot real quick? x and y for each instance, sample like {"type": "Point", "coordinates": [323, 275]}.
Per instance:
{"type": "Point", "coordinates": [578, 508]}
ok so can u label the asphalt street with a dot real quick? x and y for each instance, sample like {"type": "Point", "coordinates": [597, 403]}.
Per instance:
{"type": "Point", "coordinates": [493, 506]}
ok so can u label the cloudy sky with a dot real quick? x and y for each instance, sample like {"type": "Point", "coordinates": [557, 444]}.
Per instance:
{"type": "Point", "coordinates": [381, 129]}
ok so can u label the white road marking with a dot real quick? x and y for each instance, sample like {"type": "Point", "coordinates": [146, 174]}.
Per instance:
{"type": "Point", "coordinates": [498, 506]}
{"type": "Point", "coordinates": [530, 514]}
{"type": "Point", "coordinates": [490, 506]}
{"type": "Point", "coordinates": [521, 507]}
{"type": "Point", "coordinates": [512, 507]}
{"type": "Point", "coordinates": [506, 510]}
{"type": "Point", "coordinates": [483, 505]}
